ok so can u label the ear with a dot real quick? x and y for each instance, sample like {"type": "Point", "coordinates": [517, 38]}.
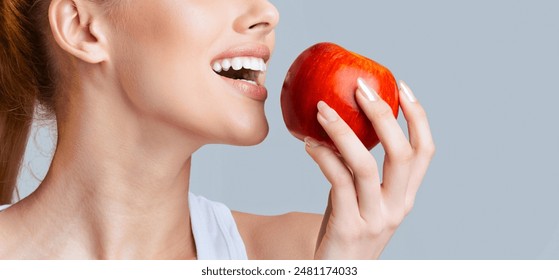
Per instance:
{"type": "Point", "coordinates": [77, 29]}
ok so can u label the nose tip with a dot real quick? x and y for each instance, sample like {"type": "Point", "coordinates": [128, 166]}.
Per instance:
{"type": "Point", "coordinates": [262, 16]}
{"type": "Point", "coordinates": [270, 15]}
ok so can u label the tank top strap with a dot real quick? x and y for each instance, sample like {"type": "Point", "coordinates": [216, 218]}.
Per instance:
{"type": "Point", "coordinates": [215, 231]}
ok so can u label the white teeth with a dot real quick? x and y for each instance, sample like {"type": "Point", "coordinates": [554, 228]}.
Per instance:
{"type": "Point", "coordinates": [254, 64]}
{"type": "Point", "coordinates": [237, 63]}
{"type": "Point", "coordinates": [249, 81]}
{"type": "Point", "coordinates": [226, 64]}
{"type": "Point", "coordinates": [247, 63]}
{"type": "Point", "coordinates": [217, 67]}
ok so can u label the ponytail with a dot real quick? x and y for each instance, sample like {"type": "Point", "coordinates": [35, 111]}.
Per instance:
{"type": "Point", "coordinates": [24, 79]}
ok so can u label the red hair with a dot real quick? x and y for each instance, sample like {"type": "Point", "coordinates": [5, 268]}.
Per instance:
{"type": "Point", "coordinates": [25, 82]}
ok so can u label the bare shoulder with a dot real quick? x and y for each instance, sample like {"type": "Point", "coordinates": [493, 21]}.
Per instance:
{"type": "Point", "coordinates": [288, 236]}
{"type": "Point", "coordinates": [9, 238]}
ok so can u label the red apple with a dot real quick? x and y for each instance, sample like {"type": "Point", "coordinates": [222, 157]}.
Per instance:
{"type": "Point", "coordinates": [329, 73]}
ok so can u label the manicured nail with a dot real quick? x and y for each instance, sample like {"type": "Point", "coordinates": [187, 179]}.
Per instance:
{"type": "Point", "coordinates": [366, 90]}
{"type": "Point", "coordinates": [407, 91]}
{"type": "Point", "coordinates": [311, 143]}
{"type": "Point", "coordinates": [326, 112]}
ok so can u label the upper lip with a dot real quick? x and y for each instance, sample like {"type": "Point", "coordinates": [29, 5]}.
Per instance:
{"type": "Point", "coordinates": [255, 50]}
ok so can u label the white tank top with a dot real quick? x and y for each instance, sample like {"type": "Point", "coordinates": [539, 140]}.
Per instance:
{"type": "Point", "coordinates": [215, 233]}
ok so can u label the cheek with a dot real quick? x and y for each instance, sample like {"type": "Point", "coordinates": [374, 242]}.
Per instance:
{"type": "Point", "coordinates": [162, 56]}
{"type": "Point", "coordinates": [159, 52]}
{"type": "Point", "coordinates": [162, 89]}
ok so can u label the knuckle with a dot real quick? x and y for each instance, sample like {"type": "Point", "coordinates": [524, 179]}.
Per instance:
{"type": "Point", "coordinates": [322, 153]}
{"type": "Point", "coordinates": [402, 155]}
{"type": "Point", "coordinates": [342, 180]}
{"type": "Point", "coordinates": [409, 205]}
{"type": "Point", "coordinates": [431, 149]}
{"type": "Point", "coordinates": [341, 129]}
{"type": "Point", "coordinates": [366, 166]}
{"type": "Point", "coordinates": [420, 113]}
{"type": "Point", "coordinates": [373, 231]}
{"type": "Point", "coordinates": [383, 111]}
{"type": "Point", "coordinates": [394, 221]}
{"type": "Point", "coordinates": [427, 150]}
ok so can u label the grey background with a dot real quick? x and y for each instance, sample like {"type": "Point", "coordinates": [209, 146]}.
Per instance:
{"type": "Point", "coordinates": [486, 72]}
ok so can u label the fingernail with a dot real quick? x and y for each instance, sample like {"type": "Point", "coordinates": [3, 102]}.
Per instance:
{"type": "Point", "coordinates": [407, 91]}
{"type": "Point", "coordinates": [366, 91]}
{"type": "Point", "coordinates": [326, 112]}
{"type": "Point", "coordinates": [311, 143]}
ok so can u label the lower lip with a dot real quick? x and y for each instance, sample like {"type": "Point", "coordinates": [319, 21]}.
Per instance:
{"type": "Point", "coordinates": [255, 92]}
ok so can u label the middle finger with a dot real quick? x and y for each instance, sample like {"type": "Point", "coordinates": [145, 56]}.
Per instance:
{"type": "Point", "coordinates": [356, 156]}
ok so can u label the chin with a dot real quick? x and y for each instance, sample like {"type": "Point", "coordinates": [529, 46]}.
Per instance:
{"type": "Point", "coordinates": [249, 134]}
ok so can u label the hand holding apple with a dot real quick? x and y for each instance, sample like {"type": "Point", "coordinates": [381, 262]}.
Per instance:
{"type": "Point", "coordinates": [362, 213]}
{"type": "Point", "coordinates": [329, 73]}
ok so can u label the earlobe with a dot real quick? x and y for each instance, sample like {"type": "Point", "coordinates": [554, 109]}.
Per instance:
{"type": "Point", "coordinates": [76, 30]}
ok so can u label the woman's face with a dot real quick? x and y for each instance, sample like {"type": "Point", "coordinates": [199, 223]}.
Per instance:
{"type": "Point", "coordinates": [170, 58]}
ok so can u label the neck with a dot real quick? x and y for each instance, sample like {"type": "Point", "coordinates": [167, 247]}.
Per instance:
{"type": "Point", "coordinates": [117, 188]}
{"type": "Point", "coordinates": [111, 218]}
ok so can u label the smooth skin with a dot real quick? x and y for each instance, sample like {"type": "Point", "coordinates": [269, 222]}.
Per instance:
{"type": "Point", "coordinates": [362, 213]}
{"type": "Point", "coordinates": [140, 97]}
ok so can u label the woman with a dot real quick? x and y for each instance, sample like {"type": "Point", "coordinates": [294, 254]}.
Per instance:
{"type": "Point", "coordinates": [136, 88]}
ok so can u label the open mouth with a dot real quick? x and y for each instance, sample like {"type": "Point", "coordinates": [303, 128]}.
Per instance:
{"type": "Point", "coordinates": [247, 69]}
